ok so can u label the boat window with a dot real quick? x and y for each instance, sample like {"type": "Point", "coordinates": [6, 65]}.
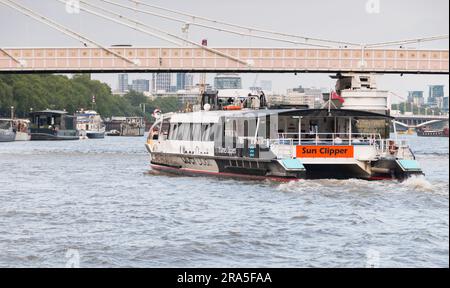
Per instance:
{"type": "Point", "coordinates": [208, 132]}
{"type": "Point", "coordinates": [205, 132]}
{"type": "Point", "coordinates": [173, 131]}
{"type": "Point", "coordinates": [180, 131]}
{"type": "Point", "coordinates": [186, 132]}
{"type": "Point", "coordinates": [5, 125]}
{"type": "Point", "coordinates": [197, 132]}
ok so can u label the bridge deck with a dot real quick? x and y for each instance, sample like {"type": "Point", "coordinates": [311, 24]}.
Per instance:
{"type": "Point", "coordinates": [75, 60]}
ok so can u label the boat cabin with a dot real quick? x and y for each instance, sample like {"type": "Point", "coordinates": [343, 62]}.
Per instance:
{"type": "Point", "coordinates": [231, 130]}
{"type": "Point", "coordinates": [52, 120]}
{"type": "Point", "coordinates": [53, 125]}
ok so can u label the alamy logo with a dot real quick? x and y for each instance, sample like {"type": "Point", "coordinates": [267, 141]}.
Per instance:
{"type": "Point", "coordinates": [373, 6]}
{"type": "Point", "coordinates": [73, 6]}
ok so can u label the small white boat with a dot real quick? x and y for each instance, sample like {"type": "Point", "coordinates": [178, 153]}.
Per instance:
{"type": "Point", "coordinates": [90, 125]}
{"type": "Point", "coordinates": [7, 133]}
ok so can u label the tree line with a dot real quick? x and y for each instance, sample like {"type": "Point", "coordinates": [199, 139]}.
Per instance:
{"type": "Point", "coordinates": [39, 92]}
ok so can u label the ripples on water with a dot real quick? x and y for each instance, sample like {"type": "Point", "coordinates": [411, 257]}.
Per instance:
{"type": "Point", "coordinates": [98, 198]}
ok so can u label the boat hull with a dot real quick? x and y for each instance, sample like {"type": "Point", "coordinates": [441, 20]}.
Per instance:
{"type": "Point", "coordinates": [441, 133]}
{"type": "Point", "coordinates": [7, 136]}
{"type": "Point", "coordinates": [51, 135]}
{"type": "Point", "coordinates": [258, 169]}
{"type": "Point", "coordinates": [95, 135]}
{"type": "Point", "coordinates": [21, 136]}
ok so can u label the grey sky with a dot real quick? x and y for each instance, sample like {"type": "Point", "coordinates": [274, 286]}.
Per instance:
{"type": "Point", "coordinates": [340, 20]}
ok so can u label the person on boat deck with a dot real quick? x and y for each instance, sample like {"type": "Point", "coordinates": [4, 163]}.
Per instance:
{"type": "Point", "coordinates": [256, 104]}
{"type": "Point", "coordinates": [317, 138]}
{"type": "Point", "coordinates": [262, 99]}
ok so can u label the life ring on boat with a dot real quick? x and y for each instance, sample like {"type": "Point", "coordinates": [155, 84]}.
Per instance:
{"type": "Point", "coordinates": [232, 108]}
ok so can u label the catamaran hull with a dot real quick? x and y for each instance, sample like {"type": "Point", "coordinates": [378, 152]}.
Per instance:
{"type": "Point", "coordinates": [258, 169]}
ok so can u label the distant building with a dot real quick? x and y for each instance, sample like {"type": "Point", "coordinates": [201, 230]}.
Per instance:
{"type": "Point", "coordinates": [266, 85]}
{"type": "Point", "coordinates": [140, 85]}
{"type": "Point", "coordinates": [311, 97]}
{"type": "Point", "coordinates": [436, 95]}
{"type": "Point", "coordinates": [445, 104]}
{"type": "Point", "coordinates": [181, 81]}
{"type": "Point", "coordinates": [227, 81]}
{"type": "Point", "coordinates": [123, 83]}
{"type": "Point", "coordinates": [185, 97]}
{"type": "Point", "coordinates": [161, 81]}
{"type": "Point", "coordinates": [416, 98]}
{"type": "Point", "coordinates": [189, 82]}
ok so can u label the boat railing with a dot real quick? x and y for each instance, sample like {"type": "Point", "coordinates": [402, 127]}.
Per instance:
{"type": "Point", "coordinates": [332, 139]}
{"type": "Point", "coordinates": [285, 144]}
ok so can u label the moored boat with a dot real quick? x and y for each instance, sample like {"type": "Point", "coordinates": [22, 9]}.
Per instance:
{"type": "Point", "coordinates": [90, 125]}
{"type": "Point", "coordinates": [284, 144]}
{"type": "Point", "coordinates": [426, 132]}
{"type": "Point", "coordinates": [7, 132]}
{"type": "Point", "coordinates": [126, 126]}
{"type": "Point", "coordinates": [49, 125]}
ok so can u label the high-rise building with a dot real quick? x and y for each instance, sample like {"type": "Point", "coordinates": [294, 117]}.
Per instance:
{"type": "Point", "coordinates": [435, 95]}
{"type": "Point", "coordinates": [140, 85]}
{"type": "Point", "coordinates": [123, 83]}
{"type": "Point", "coordinates": [189, 81]}
{"type": "Point", "coordinates": [445, 104]}
{"type": "Point", "coordinates": [181, 81]}
{"type": "Point", "coordinates": [161, 81]}
{"type": "Point", "coordinates": [227, 81]}
{"type": "Point", "coordinates": [416, 98]}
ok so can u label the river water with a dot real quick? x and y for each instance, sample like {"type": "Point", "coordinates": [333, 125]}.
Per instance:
{"type": "Point", "coordinates": [94, 203]}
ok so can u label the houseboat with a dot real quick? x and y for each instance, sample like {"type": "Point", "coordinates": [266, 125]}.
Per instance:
{"type": "Point", "coordinates": [90, 125]}
{"type": "Point", "coordinates": [125, 126]}
{"type": "Point", "coordinates": [231, 137]}
{"type": "Point", "coordinates": [429, 132]}
{"type": "Point", "coordinates": [7, 132]}
{"type": "Point", "coordinates": [53, 125]}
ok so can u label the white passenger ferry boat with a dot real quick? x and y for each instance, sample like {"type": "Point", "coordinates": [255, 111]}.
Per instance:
{"type": "Point", "coordinates": [244, 139]}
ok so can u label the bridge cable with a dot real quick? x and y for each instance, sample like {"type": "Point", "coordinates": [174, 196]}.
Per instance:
{"type": "Point", "coordinates": [145, 31]}
{"type": "Point", "coordinates": [409, 41]}
{"type": "Point", "coordinates": [305, 38]}
{"type": "Point", "coordinates": [39, 17]}
{"type": "Point", "coordinates": [11, 56]}
{"type": "Point", "coordinates": [210, 27]}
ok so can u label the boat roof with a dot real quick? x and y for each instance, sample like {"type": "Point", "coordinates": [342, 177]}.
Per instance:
{"type": "Point", "coordinates": [47, 111]}
{"type": "Point", "coordinates": [214, 116]}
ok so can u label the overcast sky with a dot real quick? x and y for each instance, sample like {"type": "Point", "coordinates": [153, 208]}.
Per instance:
{"type": "Point", "coordinates": [346, 20]}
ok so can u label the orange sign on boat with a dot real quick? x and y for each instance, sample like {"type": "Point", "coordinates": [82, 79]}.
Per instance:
{"type": "Point", "coordinates": [325, 152]}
